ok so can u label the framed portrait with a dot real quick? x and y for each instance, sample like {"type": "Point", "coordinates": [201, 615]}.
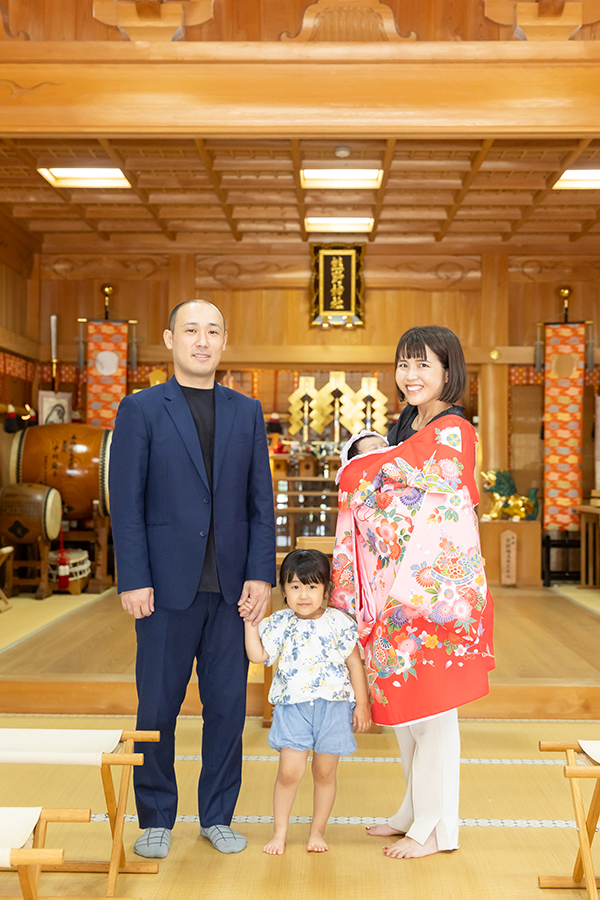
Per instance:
{"type": "Point", "coordinates": [337, 285]}
{"type": "Point", "coordinates": [54, 409]}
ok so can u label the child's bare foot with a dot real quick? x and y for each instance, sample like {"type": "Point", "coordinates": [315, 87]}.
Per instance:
{"type": "Point", "coordinates": [384, 830]}
{"type": "Point", "coordinates": [316, 843]}
{"type": "Point", "coordinates": [406, 848]}
{"type": "Point", "coordinates": [276, 845]}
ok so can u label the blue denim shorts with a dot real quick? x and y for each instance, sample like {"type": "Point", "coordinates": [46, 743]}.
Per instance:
{"type": "Point", "coordinates": [324, 726]}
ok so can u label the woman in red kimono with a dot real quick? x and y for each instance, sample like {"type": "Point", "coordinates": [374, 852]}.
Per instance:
{"type": "Point", "coordinates": [407, 566]}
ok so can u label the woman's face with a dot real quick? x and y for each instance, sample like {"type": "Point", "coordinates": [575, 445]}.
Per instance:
{"type": "Point", "coordinates": [421, 380]}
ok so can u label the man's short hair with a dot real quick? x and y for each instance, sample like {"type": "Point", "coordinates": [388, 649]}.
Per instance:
{"type": "Point", "coordinates": [175, 310]}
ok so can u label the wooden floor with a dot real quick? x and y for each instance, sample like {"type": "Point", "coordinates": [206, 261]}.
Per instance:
{"type": "Point", "coordinates": [544, 643]}
{"type": "Point", "coordinates": [517, 822]}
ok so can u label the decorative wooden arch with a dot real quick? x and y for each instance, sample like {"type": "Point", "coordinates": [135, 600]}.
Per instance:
{"type": "Point", "coordinates": [362, 21]}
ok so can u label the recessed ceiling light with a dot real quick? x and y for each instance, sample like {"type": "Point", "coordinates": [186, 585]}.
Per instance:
{"type": "Point", "coordinates": [336, 224]}
{"type": "Point", "coordinates": [341, 178]}
{"type": "Point", "coordinates": [578, 180]}
{"type": "Point", "coordinates": [85, 178]}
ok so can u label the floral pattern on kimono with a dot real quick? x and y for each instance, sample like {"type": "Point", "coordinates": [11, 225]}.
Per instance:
{"type": "Point", "coordinates": [407, 566]}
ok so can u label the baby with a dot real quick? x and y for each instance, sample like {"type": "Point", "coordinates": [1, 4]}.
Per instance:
{"type": "Point", "coordinates": [359, 444]}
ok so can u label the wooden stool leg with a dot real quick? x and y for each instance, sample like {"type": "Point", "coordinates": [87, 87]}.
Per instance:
{"type": "Point", "coordinates": [28, 883]}
{"type": "Point", "coordinates": [591, 822]}
{"type": "Point", "coordinates": [101, 580]}
{"type": "Point", "coordinates": [582, 833]}
{"type": "Point", "coordinates": [117, 855]}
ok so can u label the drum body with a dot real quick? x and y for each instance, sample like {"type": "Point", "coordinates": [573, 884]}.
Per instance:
{"type": "Point", "coordinates": [79, 569]}
{"type": "Point", "coordinates": [72, 458]}
{"type": "Point", "coordinates": [29, 511]}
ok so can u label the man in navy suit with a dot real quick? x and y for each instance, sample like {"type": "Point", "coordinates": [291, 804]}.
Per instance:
{"type": "Point", "coordinates": [194, 534]}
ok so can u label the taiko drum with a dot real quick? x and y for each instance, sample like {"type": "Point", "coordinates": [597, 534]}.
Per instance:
{"type": "Point", "coordinates": [73, 458]}
{"type": "Point", "coordinates": [29, 511]}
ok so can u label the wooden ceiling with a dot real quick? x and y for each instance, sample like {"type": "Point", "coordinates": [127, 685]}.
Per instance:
{"type": "Point", "coordinates": [233, 194]}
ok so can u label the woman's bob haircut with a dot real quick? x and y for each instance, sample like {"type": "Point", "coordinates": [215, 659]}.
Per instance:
{"type": "Point", "coordinates": [414, 344]}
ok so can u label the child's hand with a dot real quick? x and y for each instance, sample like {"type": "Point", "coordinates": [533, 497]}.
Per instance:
{"type": "Point", "coordinates": [245, 608]}
{"type": "Point", "coordinates": [361, 718]}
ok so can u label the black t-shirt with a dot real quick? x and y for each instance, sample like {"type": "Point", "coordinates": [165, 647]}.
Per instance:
{"type": "Point", "coordinates": [402, 429]}
{"type": "Point", "coordinates": [202, 407]}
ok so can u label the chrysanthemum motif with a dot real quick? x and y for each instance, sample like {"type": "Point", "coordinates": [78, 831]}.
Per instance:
{"type": "Point", "coordinates": [398, 617]}
{"type": "Point", "coordinates": [411, 497]}
{"type": "Point", "coordinates": [441, 613]}
{"type": "Point", "coordinates": [424, 577]}
{"type": "Point", "coordinates": [449, 469]}
{"type": "Point", "coordinates": [462, 610]}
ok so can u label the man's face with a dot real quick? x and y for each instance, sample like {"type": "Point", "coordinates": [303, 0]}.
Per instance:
{"type": "Point", "coordinates": [197, 341]}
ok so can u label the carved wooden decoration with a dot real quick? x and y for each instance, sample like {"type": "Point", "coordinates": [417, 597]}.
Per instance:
{"type": "Point", "coordinates": [545, 20]}
{"type": "Point", "coordinates": [508, 558]}
{"type": "Point", "coordinates": [348, 20]}
{"type": "Point", "coordinates": [152, 20]}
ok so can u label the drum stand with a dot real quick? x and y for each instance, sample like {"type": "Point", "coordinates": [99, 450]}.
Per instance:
{"type": "Point", "coordinates": [6, 555]}
{"type": "Point", "coordinates": [98, 536]}
{"type": "Point", "coordinates": [41, 566]}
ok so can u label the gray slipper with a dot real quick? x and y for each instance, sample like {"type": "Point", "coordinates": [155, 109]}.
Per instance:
{"type": "Point", "coordinates": [224, 839]}
{"type": "Point", "coordinates": [154, 843]}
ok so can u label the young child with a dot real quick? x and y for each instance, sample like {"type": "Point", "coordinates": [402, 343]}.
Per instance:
{"type": "Point", "coordinates": [319, 677]}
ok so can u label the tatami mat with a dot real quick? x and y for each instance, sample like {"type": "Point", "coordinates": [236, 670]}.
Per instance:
{"type": "Point", "coordinates": [28, 615]}
{"type": "Point", "coordinates": [515, 808]}
{"type": "Point", "coordinates": [588, 597]}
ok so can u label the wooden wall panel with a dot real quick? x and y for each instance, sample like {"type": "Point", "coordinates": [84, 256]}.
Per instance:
{"type": "Point", "coordinates": [58, 20]}
{"type": "Point", "coordinates": [531, 303]}
{"type": "Point", "coordinates": [143, 300]}
{"type": "Point", "coordinates": [13, 301]}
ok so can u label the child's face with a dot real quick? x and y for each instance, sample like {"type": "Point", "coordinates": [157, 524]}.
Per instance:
{"type": "Point", "coordinates": [305, 599]}
{"type": "Point", "coordinates": [370, 443]}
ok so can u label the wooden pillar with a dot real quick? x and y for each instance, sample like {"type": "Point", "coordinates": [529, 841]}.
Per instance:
{"type": "Point", "coordinates": [33, 300]}
{"type": "Point", "coordinates": [493, 379]}
{"type": "Point", "coordinates": [182, 278]}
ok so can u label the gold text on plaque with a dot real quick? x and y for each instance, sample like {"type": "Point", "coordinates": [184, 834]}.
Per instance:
{"type": "Point", "coordinates": [337, 282]}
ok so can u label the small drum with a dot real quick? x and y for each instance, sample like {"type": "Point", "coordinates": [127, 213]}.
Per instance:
{"type": "Point", "coordinates": [72, 458]}
{"type": "Point", "coordinates": [79, 569]}
{"type": "Point", "coordinates": [29, 511]}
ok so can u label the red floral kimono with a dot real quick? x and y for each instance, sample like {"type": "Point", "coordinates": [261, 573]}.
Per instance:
{"type": "Point", "coordinates": [407, 566]}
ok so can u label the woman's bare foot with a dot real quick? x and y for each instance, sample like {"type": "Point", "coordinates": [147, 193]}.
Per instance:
{"type": "Point", "coordinates": [316, 843]}
{"type": "Point", "coordinates": [406, 848]}
{"type": "Point", "coordinates": [276, 845]}
{"type": "Point", "coordinates": [384, 830]}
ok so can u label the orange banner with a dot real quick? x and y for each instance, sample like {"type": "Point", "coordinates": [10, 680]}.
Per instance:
{"type": "Point", "coordinates": [106, 371]}
{"type": "Point", "coordinates": [563, 425]}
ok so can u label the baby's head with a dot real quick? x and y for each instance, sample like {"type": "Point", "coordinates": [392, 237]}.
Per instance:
{"type": "Point", "coordinates": [363, 442]}
{"type": "Point", "coordinates": [366, 445]}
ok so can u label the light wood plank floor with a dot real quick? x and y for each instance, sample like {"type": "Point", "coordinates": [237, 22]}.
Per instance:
{"type": "Point", "coordinates": [517, 812]}
{"type": "Point", "coordinates": [539, 635]}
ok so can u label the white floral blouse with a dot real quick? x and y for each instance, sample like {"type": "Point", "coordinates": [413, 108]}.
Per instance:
{"type": "Point", "coordinates": [311, 655]}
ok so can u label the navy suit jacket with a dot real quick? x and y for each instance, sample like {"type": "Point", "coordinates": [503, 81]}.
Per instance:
{"type": "Point", "coordinates": [160, 499]}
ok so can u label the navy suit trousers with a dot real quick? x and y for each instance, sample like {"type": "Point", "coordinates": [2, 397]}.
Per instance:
{"type": "Point", "coordinates": [210, 632]}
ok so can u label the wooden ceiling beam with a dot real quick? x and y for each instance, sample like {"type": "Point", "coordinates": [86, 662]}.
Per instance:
{"type": "Point", "coordinates": [215, 179]}
{"type": "Point", "coordinates": [116, 157]}
{"type": "Point", "coordinates": [29, 160]}
{"type": "Point", "coordinates": [476, 164]}
{"type": "Point", "coordinates": [390, 146]}
{"type": "Point", "coordinates": [300, 198]}
{"type": "Point", "coordinates": [540, 196]}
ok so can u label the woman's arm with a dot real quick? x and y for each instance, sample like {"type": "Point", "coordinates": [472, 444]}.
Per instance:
{"type": "Point", "coordinates": [254, 649]}
{"type": "Point", "coordinates": [361, 718]}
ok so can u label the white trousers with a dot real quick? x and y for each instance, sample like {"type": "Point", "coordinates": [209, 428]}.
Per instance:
{"type": "Point", "coordinates": [430, 756]}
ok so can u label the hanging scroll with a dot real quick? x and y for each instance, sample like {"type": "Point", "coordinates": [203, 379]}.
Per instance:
{"type": "Point", "coordinates": [106, 371]}
{"type": "Point", "coordinates": [337, 284]}
{"type": "Point", "coordinates": [563, 429]}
